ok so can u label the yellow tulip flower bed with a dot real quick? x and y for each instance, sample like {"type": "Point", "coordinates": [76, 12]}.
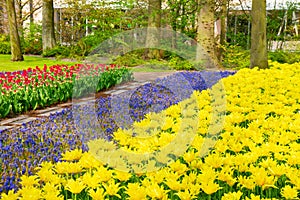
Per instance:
{"type": "Point", "coordinates": [238, 140]}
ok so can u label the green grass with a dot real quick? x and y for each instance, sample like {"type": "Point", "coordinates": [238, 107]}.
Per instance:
{"type": "Point", "coordinates": [29, 61]}
{"type": "Point", "coordinates": [148, 69]}
{"type": "Point", "coordinates": [32, 61]}
{"type": "Point", "coordinates": [153, 66]}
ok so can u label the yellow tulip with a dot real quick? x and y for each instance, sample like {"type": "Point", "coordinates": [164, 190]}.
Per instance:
{"type": "Point", "coordinates": [75, 186]}
{"type": "Point", "coordinates": [289, 193]}
{"type": "Point", "coordinates": [11, 195]}
{"type": "Point", "coordinates": [210, 187]}
{"type": "Point", "coordinates": [30, 193]}
{"type": "Point", "coordinates": [155, 191]}
{"type": "Point", "coordinates": [232, 196]}
{"type": "Point", "coordinates": [136, 192]}
{"type": "Point", "coordinates": [90, 181]}
{"type": "Point", "coordinates": [185, 195]}
{"type": "Point", "coordinates": [72, 155]}
{"type": "Point", "coordinates": [98, 194]}
{"type": "Point", "coordinates": [112, 188]}
{"type": "Point", "coordinates": [29, 181]}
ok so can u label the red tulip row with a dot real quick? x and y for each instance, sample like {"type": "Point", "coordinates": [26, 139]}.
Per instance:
{"type": "Point", "coordinates": [39, 87]}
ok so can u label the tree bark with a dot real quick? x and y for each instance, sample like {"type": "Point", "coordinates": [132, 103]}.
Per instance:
{"type": "Point", "coordinates": [258, 52]}
{"type": "Point", "coordinates": [16, 53]}
{"type": "Point", "coordinates": [206, 55]}
{"type": "Point", "coordinates": [223, 19]}
{"type": "Point", "coordinates": [48, 35]}
{"type": "Point", "coordinates": [31, 19]}
{"type": "Point", "coordinates": [153, 33]}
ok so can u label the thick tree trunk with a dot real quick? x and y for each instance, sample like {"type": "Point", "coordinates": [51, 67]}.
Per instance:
{"type": "Point", "coordinates": [206, 55]}
{"type": "Point", "coordinates": [16, 53]}
{"type": "Point", "coordinates": [259, 55]}
{"type": "Point", "coordinates": [48, 35]}
{"type": "Point", "coordinates": [153, 33]}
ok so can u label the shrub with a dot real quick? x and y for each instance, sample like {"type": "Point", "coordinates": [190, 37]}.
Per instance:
{"type": "Point", "coordinates": [180, 64]}
{"type": "Point", "coordinates": [285, 57]}
{"type": "Point", "coordinates": [4, 44]}
{"type": "Point", "coordinates": [130, 59]}
{"type": "Point", "coordinates": [235, 57]}
{"type": "Point", "coordinates": [32, 41]}
{"type": "Point", "coordinates": [57, 51]}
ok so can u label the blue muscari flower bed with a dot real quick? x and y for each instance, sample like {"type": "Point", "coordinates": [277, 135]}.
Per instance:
{"type": "Point", "coordinates": [23, 149]}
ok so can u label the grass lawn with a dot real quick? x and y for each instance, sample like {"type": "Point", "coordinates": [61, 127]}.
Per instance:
{"type": "Point", "coordinates": [152, 67]}
{"type": "Point", "coordinates": [148, 69]}
{"type": "Point", "coordinates": [29, 61]}
{"type": "Point", "coordinates": [32, 61]}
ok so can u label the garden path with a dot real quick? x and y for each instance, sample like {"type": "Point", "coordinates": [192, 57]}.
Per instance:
{"type": "Point", "coordinates": [140, 78]}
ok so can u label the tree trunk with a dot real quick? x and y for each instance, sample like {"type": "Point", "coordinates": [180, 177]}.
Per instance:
{"type": "Point", "coordinates": [2, 16]}
{"type": "Point", "coordinates": [259, 55]}
{"type": "Point", "coordinates": [48, 35]}
{"type": "Point", "coordinates": [31, 19]}
{"type": "Point", "coordinates": [153, 32]}
{"type": "Point", "coordinates": [19, 15]}
{"type": "Point", "coordinates": [206, 55]}
{"type": "Point", "coordinates": [31, 12]}
{"type": "Point", "coordinates": [223, 19]}
{"type": "Point", "coordinates": [16, 53]}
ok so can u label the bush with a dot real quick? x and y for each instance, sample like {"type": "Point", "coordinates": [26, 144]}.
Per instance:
{"type": "Point", "coordinates": [32, 41]}
{"type": "Point", "coordinates": [4, 44]}
{"type": "Point", "coordinates": [285, 57]}
{"type": "Point", "coordinates": [235, 57]}
{"type": "Point", "coordinates": [57, 51]}
{"type": "Point", "coordinates": [130, 59]}
{"type": "Point", "coordinates": [77, 51]}
{"type": "Point", "coordinates": [180, 64]}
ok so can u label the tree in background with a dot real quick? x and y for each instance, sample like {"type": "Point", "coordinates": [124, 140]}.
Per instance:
{"type": "Point", "coordinates": [223, 18]}
{"type": "Point", "coordinates": [16, 53]}
{"type": "Point", "coordinates": [205, 34]}
{"type": "Point", "coordinates": [258, 52]}
{"type": "Point", "coordinates": [3, 17]}
{"type": "Point", "coordinates": [24, 14]}
{"type": "Point", "coordinates": [153, 33]}
{"type": "Point", "coordinates": [181, 15]}
{"type": "Point", "coordinates": [48, 35]}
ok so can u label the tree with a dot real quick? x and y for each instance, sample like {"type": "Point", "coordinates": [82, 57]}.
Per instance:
{"type": "Point", "coordinates": [205, 34]}
{"type": "Point", "coordinates": [16, 53]}
{"type": "Point", "coordinates": [154, 23]}
{"type": "Point", "coordinates": [223, 18]}
{"type": "Point", "coordinates": [48, 35]}
{"type": "Point", "coordinates": [23, 14]}
{"type": "Point", "coordinates": [258, 52]}
{"type": "Point", "coordinates": [182, 17]}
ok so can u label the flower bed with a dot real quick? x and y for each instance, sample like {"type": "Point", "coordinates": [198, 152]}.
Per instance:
{"type": "Point", "coordinates": [45, 139]}
{"type": "Point", "coordinates": [32, 88]}
{"type": "Point", "coordinates": [254, 157]}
